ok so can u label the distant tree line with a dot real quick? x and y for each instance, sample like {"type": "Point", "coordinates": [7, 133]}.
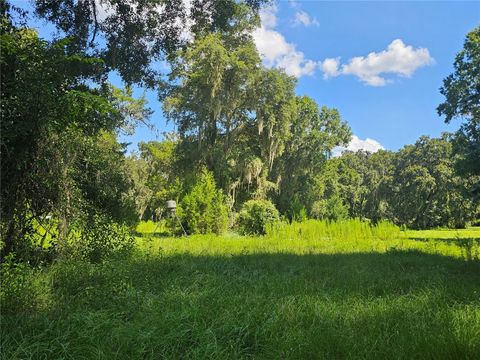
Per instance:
{"type": "Point", "coordinates": [416, 186]}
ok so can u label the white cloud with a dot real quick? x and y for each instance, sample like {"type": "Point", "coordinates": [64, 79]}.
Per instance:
{"type": "Point", "coordinates": [398, 59]}
{"type": "Point", "coordinates": [268, 16]}
{"type": "Point", "coordinates": [303, 18]}
{"type": "Point", "coordinates": [357, 144]}
{"type": "Point", "coordinates": [295, 64]}
{"type": "Point", "coordinates": [330, 67]}
{"type": "Point", "coordinates": [271, 45]}
{"type": "Point", "coordinates": [276, 51]}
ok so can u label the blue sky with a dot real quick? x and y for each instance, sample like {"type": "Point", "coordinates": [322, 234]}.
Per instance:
{"type": "Point", "coordinates": [388, 96]}
{"type": "Point", "coordinates": [399, 112]}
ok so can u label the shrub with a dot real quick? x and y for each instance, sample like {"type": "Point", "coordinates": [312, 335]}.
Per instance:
{"type": "Point", "coordinates": [203, 210]}
{"type": "Point", "coordinates": [16, 292]}
{"type": "Point", "coordinates": [331, 209]}
{"type": "Point", "coordinates": [101, 239]}
{"type": "Point", "coordinates": [297, 211]}
{"type": "Point", "coordinates": [256, 216]}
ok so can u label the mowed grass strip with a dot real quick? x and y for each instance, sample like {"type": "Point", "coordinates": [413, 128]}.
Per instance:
{"type": "Point", "coordinates": [293, 294]}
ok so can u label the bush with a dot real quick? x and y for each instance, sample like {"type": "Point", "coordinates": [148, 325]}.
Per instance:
{"type": "Point", "coordinates": [330, 209]}
{"type": "Point", "coordinates": [16, 292]}
{"type": "Point", "coordinates": [203, 210]}
{"type": "Point", "coordinates": [256, 216]}
{"type": "Point", "coordinates": [101, 239]}
{"type": "Point", "coordinates": [297, 211]}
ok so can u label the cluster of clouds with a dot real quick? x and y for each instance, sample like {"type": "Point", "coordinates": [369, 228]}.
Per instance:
{"type": "Point", "coordinates": [357, 144]}
{"type": "Point", "coordinates": [302, 18]}
{"type": "Point", "coordinates": [375, 69]}
{"type": "Point", "coordinates": [276, 50]}
{"type": "Point", "coordinates": [397, 59]}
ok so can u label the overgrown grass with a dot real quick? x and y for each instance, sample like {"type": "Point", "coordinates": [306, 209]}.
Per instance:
{"type": "Point", "coordinates": [304, 291]}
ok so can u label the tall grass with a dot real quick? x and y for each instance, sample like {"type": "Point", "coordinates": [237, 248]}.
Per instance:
{"type": "Point", "coordinates": [347, 230]}
{"type": "Point", "coordinates": [313, 236]}
{"type": "Point", "coordinates": [312, 290]}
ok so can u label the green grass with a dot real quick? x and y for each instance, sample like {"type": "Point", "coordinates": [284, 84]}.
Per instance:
{"type": "Point", "coordinates": [305, 291]}
{"type": "Point", "coordinates": [472, 232]}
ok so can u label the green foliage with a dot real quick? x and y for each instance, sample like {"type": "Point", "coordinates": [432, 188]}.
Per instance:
{"type": "Point", "coordinates": [314, 133]}
{"type": "Point", "coordinates": [426, 191]}
{"type": "Point", "coordinates": [148, 227]}
{"type": "Point", "coordinates": [256, 216]}
{"type": "Point", "coordinates": [16, 291]}
{"type": "Point", "coordinates": [244, 122]}
{"type": "Point", "coordinates": [101, 239]}
{"type": "Point", "coordinates": [331, 209]}
{"type": "Point", "coordinates": [461, 89]}
{"type": "Point", "coordinates": [154, 175]}
{"type": "Point", "coordinates": [135, 35]}
{"type": "Point", "coordinates": [60, 155]}
{"type": "Point", "coordinates": [417, 186]}
{"type": "Point", "coordinates": [203, 209]}
{"type": "Point", "coordinates": [210, 99]}
{"type": "Point", "coordinates": [462, 100]}
{"type": "Point", "coordinates": [349, 230]}
{"type": "Point", "coordinates": [297, 211]}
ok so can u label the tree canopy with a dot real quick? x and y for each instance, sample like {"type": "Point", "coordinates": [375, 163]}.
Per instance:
{"type": "Point", "coordinates": [462, 100]}
{"type": "Point", "coordinates": [131, 37]}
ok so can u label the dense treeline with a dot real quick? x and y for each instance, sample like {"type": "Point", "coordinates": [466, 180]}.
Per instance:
{"type": "Point", "coordinates": [416, 186]}
{"type": "Point", "coordinates": [247, 147]}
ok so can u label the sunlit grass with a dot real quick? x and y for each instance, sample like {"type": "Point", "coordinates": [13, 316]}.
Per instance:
{"type": "Point", "coordinates": [471, 232]}
{"type": "Point", "coordinates": [321, 237]}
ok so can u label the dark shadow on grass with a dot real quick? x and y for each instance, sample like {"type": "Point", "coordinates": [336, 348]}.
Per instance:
{"type": "Point", "coordinates": [155, 235]}
{"type": "Point", "coordinates": [356, 274]}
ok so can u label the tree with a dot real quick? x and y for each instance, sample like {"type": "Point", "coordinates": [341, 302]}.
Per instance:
{"type": "Point", "coordinates": [426, 191]}
{"type": "Point", "coordinates": [416, 186]}
{"type": "Point", "coordinates": [56, 113]}
{"type": "Point", "coordinates": [138, 171]}
{"type": "Point", "coordinates": [132, 36]}
{"type": "Point", "coordinates": [203, 209]}
{"type": "Point", "coordinates": [340, 189]}
{"type": "Point", "coordinates": [256, 216]}
{"type": "Point", "coordinates": [313, 134]}
{"type": "Point", "coordinates": [462, 100]}
{"type": "Point", "coordinates": [232, 115]}
{"type": "Point", "coordinates": [243, 121]}
{"type": "Point", "coordinates": [274, 111]}
{"type": "Point", "coordinates": [210, 97]}
{"type": "Point", "coordinates": [378, 181]}
{"type": "Point", "coordinates": [160, 176]}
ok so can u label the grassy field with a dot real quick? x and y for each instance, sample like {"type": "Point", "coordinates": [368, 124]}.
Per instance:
{"type": "Point", "coordinates": [305, 291]}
